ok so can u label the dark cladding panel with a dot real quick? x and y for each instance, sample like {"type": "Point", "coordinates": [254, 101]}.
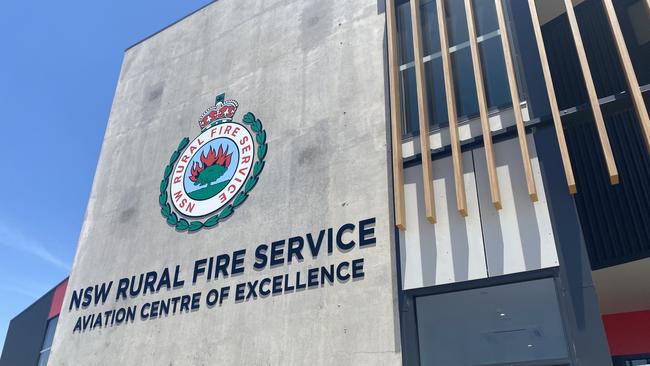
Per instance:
{"type": "Point", "coordinates": [615, 220]}
{"type": "Point", "coordinates": [601, 51]}
{"type": "Point", "coordinates": [563, 61]}
{"type": "Point", "coordinates": [601, 54]}
{"type": "Point", "coordinates": [633, 17]}
{"type": "Point", "coordinates": [25, 335]}
{"type": "Point", "coordinates": [526, 57]}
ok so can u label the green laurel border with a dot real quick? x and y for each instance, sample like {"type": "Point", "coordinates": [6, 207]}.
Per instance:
{"type": "Point", "coordinates": [180, 223]}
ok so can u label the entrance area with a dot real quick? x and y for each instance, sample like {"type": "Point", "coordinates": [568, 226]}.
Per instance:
{"type": "Point", "coordinates": [517, 324]}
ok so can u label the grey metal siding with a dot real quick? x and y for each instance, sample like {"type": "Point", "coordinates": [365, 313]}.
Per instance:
{"type": "Point", "coordinates": [25, 334]}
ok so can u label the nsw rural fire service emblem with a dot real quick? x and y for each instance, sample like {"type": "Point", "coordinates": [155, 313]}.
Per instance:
{"type": "Point", "coordinates": [208, 177]}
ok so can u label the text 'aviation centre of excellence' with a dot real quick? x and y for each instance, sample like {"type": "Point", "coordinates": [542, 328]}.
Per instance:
{"type": "Point", "coordinates": [219, 268]}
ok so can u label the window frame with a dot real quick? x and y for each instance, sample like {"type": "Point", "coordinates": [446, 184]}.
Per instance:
{"type": "Point", "coordinates": [408, 131]}
{"type": "Point", "coordinates": [53, 321]}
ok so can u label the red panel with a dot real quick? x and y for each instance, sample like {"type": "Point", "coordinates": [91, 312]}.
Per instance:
{"type": "Point", "coordinates": [57, 299]}
{"type": "Point", "coordinates": [628, 333]}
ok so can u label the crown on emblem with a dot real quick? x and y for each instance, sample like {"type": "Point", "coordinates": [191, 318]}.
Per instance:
{"type": "Point", "coordinates": [222, 111]}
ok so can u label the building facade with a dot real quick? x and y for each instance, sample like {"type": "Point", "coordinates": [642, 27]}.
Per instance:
{"type": "Point", "coordinates": [30, 334]}
{"type": "Point", "coordinates": [547, 205]}
{"type": "Point", "coordinates": [423, 182]}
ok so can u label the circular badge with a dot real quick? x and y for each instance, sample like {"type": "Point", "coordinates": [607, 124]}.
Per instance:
{"type": "Point", "coordinates": [208, 177]}
{"type": "Point", "coordinates": [212, 169]}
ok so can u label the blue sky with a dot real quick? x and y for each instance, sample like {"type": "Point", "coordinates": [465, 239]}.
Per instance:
{"type": "Point", "coordinates": [59, 63]}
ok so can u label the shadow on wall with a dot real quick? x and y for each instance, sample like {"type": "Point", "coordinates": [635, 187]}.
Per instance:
{"type": "Point", "coordinates": [487, 242]}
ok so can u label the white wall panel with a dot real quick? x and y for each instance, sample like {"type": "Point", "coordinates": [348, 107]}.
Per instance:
{"type": "Point", "coordinates": [452, 249]}
{"type": "Point", "coordinates": [547, 239]}
{"type": "Point", "coordinates": [519, 237]}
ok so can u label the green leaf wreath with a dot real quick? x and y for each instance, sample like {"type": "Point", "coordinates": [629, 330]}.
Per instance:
{"type": "Point", "coordinates": [182, 224]}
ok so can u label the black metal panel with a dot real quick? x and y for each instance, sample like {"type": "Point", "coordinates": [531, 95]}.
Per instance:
{"type": "Point", "coordinates": [582, 315]}
{"type": "Point", "coordinates": [615, 220]}
{"type": "Point", "coordinates": [563, 61]}
{"type": "Point", "coordinates": [600, 48]}
{"type": "Point", "coordinates": [526, 58]}
{"type": "Point", "coordinates": [602, 56]}
{"type": "Point", "coordinates": [25, 334]}
{"type": "Point", "coordinates": [639, 49]}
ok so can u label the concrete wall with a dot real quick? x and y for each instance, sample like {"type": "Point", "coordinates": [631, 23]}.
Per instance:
{"type": "Point", "coordinates": [313, 72]}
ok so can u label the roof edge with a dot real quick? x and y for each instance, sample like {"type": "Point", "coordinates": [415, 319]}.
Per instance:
{"type": "Point", "coordinates": [170, 25]}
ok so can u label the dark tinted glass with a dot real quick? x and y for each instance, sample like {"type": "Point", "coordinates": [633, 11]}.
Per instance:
{"type": "Point", "coordinates": [49, 333]}
{"type": "Point", "coordinates": [43, 358]}
{"type": "Point", "coordinates": [429, 24]}
{"type": "Point", "coordinates": [465, 89]}
{"type": "Point", "coordinates": [47, 341]}
{"type": "Point", "coordinates": [498, 325]}
{"type": "Point", "coordinates": [494, 73]}
{"type": "Point", "coordinates": [456, 24]}
{"type": "Point", "coordinates": [405, 33]}
{"type": "Point", "coordinates": [485, 17]}
{"type": "Point", "coordinates": [639, 362]}
{"type": "Point", "coordinates": [466, 102]}
{"type": "Point", "coordinates": [409, 102]}
{"type": "Point", "coordinates": [436, 89]}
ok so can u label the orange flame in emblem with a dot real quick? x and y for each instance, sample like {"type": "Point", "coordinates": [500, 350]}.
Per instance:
{"type": "Point", "coordinates": [220, 158]}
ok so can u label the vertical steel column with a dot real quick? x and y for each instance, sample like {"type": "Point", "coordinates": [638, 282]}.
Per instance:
{"type": "Point", "coordinates": [550, 91]}
{"type": "Point", "coordinates": [630, 75]}
{"type": "Point", "coordinates": [591, 91]}
{"type": "Point", "coordinates": [482, 106]}
{"type": "Point", "coordinates": [461, 200]}
{"type": "Point", "coordinates": [395, 116]}
{"type": "Point", "coordinates": [423, 113]}
{"type": "Point", "coordinates": [516, 103]}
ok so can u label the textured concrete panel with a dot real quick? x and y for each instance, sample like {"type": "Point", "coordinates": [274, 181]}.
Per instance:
{"type": "Point", "coordinates": [313, 72]}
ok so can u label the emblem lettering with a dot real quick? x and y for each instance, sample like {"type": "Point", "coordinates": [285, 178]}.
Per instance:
{"type": "Point", "coordinates": [212, 170]}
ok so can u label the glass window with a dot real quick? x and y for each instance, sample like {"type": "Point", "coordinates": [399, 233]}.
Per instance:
{"type": "Point", "coordinates": [407, 71]}
{"type": "Point", "coordinates": [456, 24]}
{"type": "Point", "coordinates": [47, 341]}
{"type": "Point", "coordinates": [495, 78]}
{"type": "Point", "coordinates": [436, 89]}
{"type": "Point", "coordinates": [485, 17]}
{"type": "Point", "coordinates": [405, 33]}
{"type": "Point", "coordinates": [496, 84]}
{"type": "Point", "coordinates": [44, 357]}
{"type": "Point", "coordinates": [506, 324]}
{"type": "Point", "coordinates": [435, 82]}
{"type": "Point", "coordinates": [466, 99]}
{"type": "Point", "coordinates": [430, 34]}
{"type": "Point", "coordinates": [461, 59]}
{"type": "Point", "coordinates": [410, 124]}
{"type": "Point", "coordinates": [641, 362]}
